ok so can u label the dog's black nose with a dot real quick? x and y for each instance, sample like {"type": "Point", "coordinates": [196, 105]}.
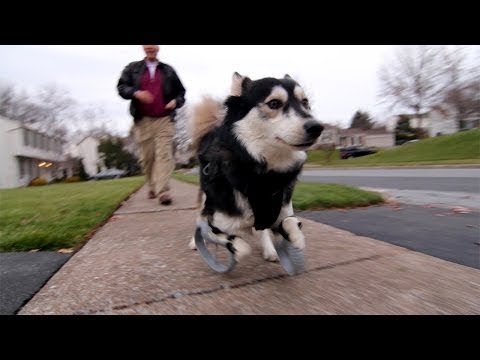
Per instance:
{"type": "Point", "coordinates": [313, 128]}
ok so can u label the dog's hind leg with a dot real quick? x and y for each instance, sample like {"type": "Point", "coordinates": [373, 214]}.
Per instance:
{"type": "Point", "coordinates": [200, 202]}
{"type": "Point", "coordinates": [236, 244]}
{"type": "Point", "coordinates": [269, 253]}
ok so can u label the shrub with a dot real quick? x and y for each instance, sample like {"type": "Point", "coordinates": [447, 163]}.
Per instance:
{"type": "Point", "coordinates": [38, 181]}
{"type": "Point", "coordinates": [72, 179]}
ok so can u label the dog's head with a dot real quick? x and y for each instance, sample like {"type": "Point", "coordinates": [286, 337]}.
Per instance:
{"type": "Point", "coordinates": [275, 114]}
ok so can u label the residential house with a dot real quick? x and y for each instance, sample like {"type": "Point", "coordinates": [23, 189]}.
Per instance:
{"type": "Point", "coordinates": [26, 153]}
{"type": "Point", "coordinates": [378, 137]}
{"type": "Point", "coordinates": [87, 150]}
{"type": "Point", "coordinates": [440, 120]}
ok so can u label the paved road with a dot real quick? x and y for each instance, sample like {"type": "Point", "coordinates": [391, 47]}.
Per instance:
{"type": "Point", "coordinates": [445, 180]}
{"type": "Point", "coordinates": [438, 187]}
{"type": "Point", "coordinates": [437, 232]}
{"type": "Point", "coordinates": [22, 274]}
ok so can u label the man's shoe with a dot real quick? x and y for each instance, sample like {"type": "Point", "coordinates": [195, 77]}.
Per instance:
{"type": "Point", "coordinates": [165, 199]}
{"type": "Point", "coordinates": [151, 194]}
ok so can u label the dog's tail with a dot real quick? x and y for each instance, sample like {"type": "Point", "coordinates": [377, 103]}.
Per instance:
{"type": "Point", "coordinates": [207, 115]}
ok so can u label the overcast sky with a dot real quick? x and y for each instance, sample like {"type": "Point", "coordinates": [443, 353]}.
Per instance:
{"type": "Point", "coordinates": [339, 79]}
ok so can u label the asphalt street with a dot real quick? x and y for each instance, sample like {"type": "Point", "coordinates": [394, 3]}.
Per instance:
{"type": "Point", "coordinates": [445, 188]}
{"type": "Point", "coordinates": [22, 274]}
{"type": "Point", "coordinates": [444, 180]}
{"type": "Point", "coordinates": [445, 234]}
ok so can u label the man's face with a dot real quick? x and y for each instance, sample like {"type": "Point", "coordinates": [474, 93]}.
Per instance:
{"type": "Point", "coordinates": [151, 51]}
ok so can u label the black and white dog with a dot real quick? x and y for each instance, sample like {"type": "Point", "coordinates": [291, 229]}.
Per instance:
{"type": "Point", "coordinates": [251, 149]}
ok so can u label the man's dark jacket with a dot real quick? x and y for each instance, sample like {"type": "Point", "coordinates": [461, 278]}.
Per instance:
{"type": "Point", "coordinates": [130, 82]}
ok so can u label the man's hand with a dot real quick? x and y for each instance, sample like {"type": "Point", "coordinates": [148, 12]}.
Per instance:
{"type": "Point", "coordinates": [144, 96]}
{"type": "Point", "coordinates": [171, 105]}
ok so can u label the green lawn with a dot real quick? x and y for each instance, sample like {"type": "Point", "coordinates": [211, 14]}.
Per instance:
{"type": "Point", "coordinates": [460, 148]}
{"type": "Point", "coordinates": [308, 196]}
{"type": "Point", "coordinates": [59, 216]}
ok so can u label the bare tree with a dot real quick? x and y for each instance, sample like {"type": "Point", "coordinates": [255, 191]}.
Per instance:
{"type": "Point", "coordinates": [57, 109]}
{"type": "Point", "coordinates": [49, 111]}
{"type": "Point", "coordinates": [463, 93]}
{"type": "Point", "coordinates": [421, 77]}
{"type": "Point", "coordinates": [7, 95]}
{"type": "Point", "coordinates": [417, 78]}
{"type": "Point", "coordinates": [16, 105]}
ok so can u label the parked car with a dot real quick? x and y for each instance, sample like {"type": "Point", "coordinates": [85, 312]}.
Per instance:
{"type": "Point", "coordinates": [109, 174]}
{"type": "Point", "coordinates": [355, 151]}
{"type": "Point", "coordinates": [410, 142]}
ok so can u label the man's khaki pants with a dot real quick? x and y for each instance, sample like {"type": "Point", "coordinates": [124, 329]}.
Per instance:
{"type": "Point", "coordinates": [154, 137]}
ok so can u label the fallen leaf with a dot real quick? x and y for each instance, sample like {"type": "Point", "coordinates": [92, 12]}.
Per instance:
{"type": "Point", "coordinates": [461, 210]}
{"type": "Point", "coordinates": [65, 251]}
{"type": "Point", "coordinates": [34, 250]}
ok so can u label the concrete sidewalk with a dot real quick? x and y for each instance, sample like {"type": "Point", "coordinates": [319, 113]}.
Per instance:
{"type": "Point", "coordinates": [139, 263]}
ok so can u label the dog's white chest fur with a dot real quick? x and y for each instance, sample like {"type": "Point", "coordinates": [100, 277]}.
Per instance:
{"type": "Point", "coordinates": [231, 224]}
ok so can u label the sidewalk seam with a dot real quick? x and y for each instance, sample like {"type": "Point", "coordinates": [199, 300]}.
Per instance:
{"type": "Point", "coordinates": [179, 294]}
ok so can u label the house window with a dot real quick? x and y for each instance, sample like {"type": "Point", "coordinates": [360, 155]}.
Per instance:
{"type": "Point", "coordinates": [25, 137]}
{"type": "Point", "coordinates": [31, 138]}
{"type": "Point", "coordinates": [352, 140]}
{"type": "Point", "coordinates": [21, 166]}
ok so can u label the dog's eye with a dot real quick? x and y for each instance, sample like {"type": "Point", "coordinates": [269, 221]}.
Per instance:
{"type": "Point", "coordinates": [306, 103]}
{"type": "Point", "coordinates": [274, 104]}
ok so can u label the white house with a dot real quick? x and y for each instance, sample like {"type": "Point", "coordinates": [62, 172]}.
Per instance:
{"type": "Point", "coordinates": [438, 121]}
{"type": "Point", "coordinates": [379, 137]}
{"type": "Point", "coordinates": [87, 150]}
{"type": "Point", "coordinates": [26, 153]}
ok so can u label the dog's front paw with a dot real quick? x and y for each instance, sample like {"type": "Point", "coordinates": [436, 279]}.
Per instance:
{"type": "Point", "coordinates": [291, 225]}
{"type": "Point", "coordinates": [192, 244]}
{"type": "Point", "coordinates": [270, 255]}
{"type": "Point", "coordinates": [240, 248]}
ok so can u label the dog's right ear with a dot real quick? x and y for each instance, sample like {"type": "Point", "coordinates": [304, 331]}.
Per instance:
{"type": "Point", "coordinates": [239, 83]}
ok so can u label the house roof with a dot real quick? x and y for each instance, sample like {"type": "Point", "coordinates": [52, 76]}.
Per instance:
{"type": "Point", "coordinates": [86, 137]}
{"type": "Point", "coordinates": [31, 128]}
{"type": "Point", "coordinates": [352, 132]}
